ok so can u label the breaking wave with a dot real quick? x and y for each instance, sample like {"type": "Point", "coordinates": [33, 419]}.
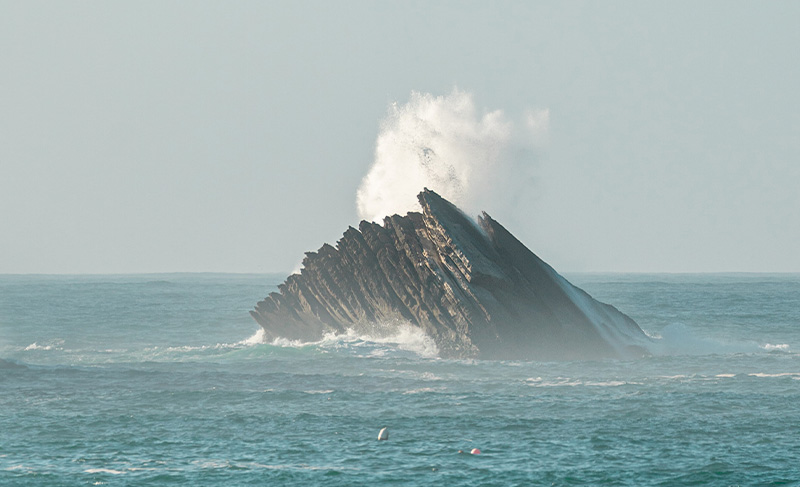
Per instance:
{"type": "Point", "coordinates": [374, 339]}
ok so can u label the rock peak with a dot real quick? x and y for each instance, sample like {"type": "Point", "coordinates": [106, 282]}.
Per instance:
{"type": "Point", "coordinates": [471, 286]}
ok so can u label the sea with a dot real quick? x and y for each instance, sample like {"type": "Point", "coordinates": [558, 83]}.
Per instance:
{"type": "Point", "coordinates": [164, 379]}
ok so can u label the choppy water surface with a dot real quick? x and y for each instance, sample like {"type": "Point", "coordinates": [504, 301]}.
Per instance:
{"type": "Point", "coordinates": [163, 380]}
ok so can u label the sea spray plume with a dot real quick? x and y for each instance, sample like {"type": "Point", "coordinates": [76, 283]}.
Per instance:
{"type": "Point", "coordinates": [441, 143]}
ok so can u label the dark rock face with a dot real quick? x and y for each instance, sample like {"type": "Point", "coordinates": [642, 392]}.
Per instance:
{"type": "Point", "coordinates": [474, 288]}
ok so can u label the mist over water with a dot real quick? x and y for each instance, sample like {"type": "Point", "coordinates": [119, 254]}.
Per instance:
{"type": "Point", "coordinates": [478, 161]}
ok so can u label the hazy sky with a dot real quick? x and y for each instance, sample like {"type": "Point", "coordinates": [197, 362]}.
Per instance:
{"type": "Point", "coordinates": [232, 136]}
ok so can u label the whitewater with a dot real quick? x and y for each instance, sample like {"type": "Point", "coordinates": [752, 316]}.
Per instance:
{"type": "Point", "coordinates": [165, 380]}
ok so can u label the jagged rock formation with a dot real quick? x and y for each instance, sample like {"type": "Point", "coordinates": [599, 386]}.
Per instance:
{"type": "Point", "coordinates": [474, 288]}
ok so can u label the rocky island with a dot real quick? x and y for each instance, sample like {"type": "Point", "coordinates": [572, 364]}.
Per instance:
{"type": "Point", "coordinates": [472, 287]}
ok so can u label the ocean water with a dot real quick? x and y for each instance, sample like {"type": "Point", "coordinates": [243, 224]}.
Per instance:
{"type": "Point", "coordinates": [165, 380]}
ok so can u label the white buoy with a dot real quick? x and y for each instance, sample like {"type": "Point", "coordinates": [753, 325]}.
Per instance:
{"type": "Point", "coordinates": [384, 434]}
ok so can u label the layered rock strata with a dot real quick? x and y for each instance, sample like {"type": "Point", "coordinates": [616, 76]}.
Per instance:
{"type": "Point", "coordinates": [471, 286]}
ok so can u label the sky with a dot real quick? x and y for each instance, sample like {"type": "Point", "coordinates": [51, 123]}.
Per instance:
{"type": "Point", "coordinates": [177, 136]}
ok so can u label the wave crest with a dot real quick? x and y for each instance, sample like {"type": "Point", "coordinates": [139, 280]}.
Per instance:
{"type": "Point", "coordinates": [376, 338]}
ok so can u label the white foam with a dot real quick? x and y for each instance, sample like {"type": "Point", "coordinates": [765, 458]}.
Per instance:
{"type": "Point", "coordinates": [781, 374]}
{"type": "Point", "coordinates": [783, 347]}
{"type": "Point", "coordinates": [287, 343]}
{"type": "Point", "coordinates": [401, 335]}
{"type": "Point", "coordinates": [557, 382]}
{"type": "Point", "coordinates": [608, 383]}
{"type": "Point", "coordinates": [652, 334]}
{"type": "Point", "coordinates": [186, 352]}
{"type": "Point", "coordinates": [224, 464]}
{"type": "Point", "coordinates": [258, 338]}
{"type": "Point", "coordinates": [421, 390]}
{"type": "Point", "coordinates": [475, 161]}
{"type": "Point", "coordinates": [55, 344]}
{"type": "Point", "coordinates": [410, 338]}
{"type": "Point", "coordinates": [569, 382]}
{"type": "Point", "coordinates": [398, 335]}
{"type": "Point", "coordinates": [104, 470]}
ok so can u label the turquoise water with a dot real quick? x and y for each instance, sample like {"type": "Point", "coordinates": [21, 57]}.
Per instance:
{"type": "Point", "coordinates": [162, 380]}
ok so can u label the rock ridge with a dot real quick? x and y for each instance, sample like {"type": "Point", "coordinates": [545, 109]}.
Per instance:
{"type": "Point", "coordinates": [471, 286]}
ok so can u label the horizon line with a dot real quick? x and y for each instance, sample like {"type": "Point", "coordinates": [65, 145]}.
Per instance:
{"type": "Point", "coordinates": [288, 273]}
